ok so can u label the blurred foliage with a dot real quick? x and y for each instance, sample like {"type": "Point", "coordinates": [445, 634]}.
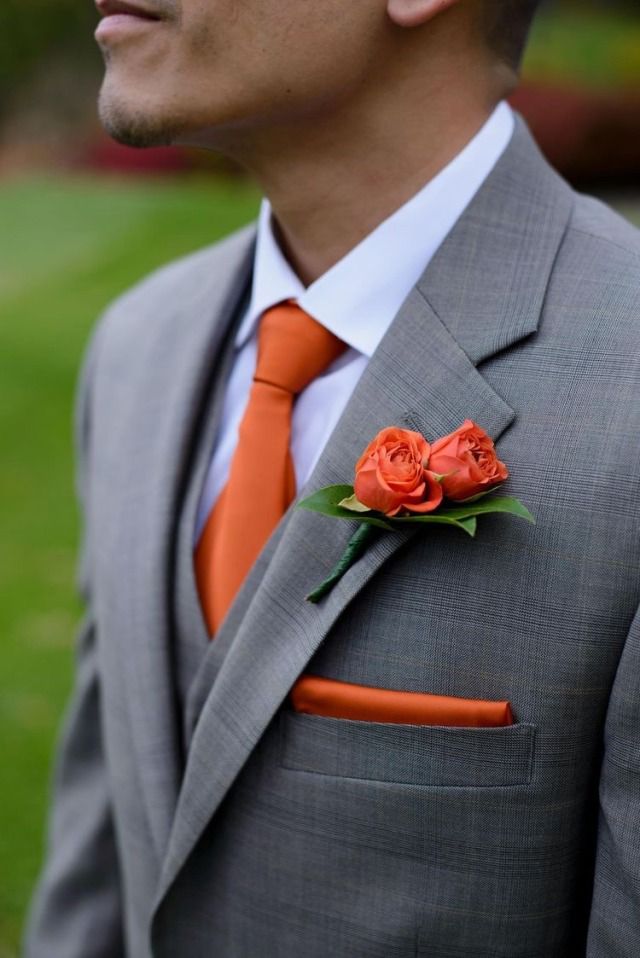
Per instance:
{"type": "Point", "coordinates": [30, 28]}
{"type": "Point", "coordinates": [587, 43]}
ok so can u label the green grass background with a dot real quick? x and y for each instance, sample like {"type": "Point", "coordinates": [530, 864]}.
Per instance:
{"type": "Point", "coordinates": [66, 248]}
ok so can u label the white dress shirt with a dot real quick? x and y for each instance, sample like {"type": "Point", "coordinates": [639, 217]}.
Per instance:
{"type": "Point", "coordinates": [356, 300]}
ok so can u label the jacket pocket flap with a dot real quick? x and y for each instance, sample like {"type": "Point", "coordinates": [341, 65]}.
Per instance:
{"type": "Point", "coordinates": [408, 754]}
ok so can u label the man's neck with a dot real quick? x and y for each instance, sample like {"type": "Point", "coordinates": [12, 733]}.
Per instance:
{"type": "Point", "coordinates": [326, 199]}
{"type": "Point", "coordinates": [316, 228]}
{"type": "Point", "coordinates": [333, 176]}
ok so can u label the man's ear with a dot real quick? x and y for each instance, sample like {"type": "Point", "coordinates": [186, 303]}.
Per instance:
{"type": "Point", "coordinates": [413, 13]}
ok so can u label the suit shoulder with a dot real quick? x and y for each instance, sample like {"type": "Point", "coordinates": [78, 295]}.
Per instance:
{"type": "Point", "coordinates": [598, 263]}
{"type": "Point", "coordinates": [174, 290]}
{"type": "Point", "coordinates": [596, 225]}
{"type": "Point", "coordinates": [594, 292]}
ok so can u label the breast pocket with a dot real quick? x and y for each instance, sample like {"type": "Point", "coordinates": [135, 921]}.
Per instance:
{"type": "Point", "coordinates": [431, 755]}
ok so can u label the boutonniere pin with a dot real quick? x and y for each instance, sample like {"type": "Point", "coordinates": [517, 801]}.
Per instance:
{"type": "Point", "coordinates": [402, 479]}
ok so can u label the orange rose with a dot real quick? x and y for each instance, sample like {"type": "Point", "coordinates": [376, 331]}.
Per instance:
{"type": "Point", "coordinates": [391, 474]}
{"type": "Point", "coordinates": [467, 459]}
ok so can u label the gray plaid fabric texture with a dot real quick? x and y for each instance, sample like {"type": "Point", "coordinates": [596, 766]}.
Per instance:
{"type": "Point", "coordinates": [218, 822]}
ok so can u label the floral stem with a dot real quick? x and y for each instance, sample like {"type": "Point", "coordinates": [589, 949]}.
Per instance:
{"type": "Point", "coordinates": [357, 546]}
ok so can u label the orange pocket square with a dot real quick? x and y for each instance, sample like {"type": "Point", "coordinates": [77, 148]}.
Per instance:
{"type": "Point", "coordinates": [334, 699]}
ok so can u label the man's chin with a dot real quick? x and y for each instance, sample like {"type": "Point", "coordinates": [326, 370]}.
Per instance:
{"type": "Point", "coordinates": [134, 125]}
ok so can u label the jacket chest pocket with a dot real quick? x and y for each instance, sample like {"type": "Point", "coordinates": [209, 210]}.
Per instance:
{"type": "Point", "coordinates": [435, 756]}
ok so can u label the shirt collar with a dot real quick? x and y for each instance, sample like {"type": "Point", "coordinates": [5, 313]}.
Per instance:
{"type": "Point", "coordinates": [359, 296]}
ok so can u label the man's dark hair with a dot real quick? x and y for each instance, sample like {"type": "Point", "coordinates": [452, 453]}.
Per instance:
{"type": "Point", "coordinates": [506, 25]}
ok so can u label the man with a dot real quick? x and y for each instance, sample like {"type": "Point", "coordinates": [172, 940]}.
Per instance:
{"type": "Point", "coordinates": [420, 252]}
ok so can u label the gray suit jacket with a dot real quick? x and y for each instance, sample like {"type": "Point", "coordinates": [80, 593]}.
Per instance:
{"type": "Point", "coordinates": [240, 828]}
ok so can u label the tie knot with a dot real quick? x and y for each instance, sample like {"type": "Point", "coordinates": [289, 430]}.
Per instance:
{"type": "Point", "coordinates": [293, 348]}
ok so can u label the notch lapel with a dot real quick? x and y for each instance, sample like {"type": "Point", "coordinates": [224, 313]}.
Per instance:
{"type": "Point", "coordinates": [470, 303]}
{"type": "Point", "coordinates": [175, 388]}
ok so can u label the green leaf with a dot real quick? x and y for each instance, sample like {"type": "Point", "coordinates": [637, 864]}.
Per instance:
{"type": "Point", "coordinates": [353, 504]}
{"type": "Point", "coordinates": [470, 525]}
{"type": "Point", "coordinates": [327, 502]}
{"type": "Point", "coordinates": [467, 525]}
{"type": "Point", "coordinates": [326, 498]}
{"type": "Point", "coordinates": [488, 505]}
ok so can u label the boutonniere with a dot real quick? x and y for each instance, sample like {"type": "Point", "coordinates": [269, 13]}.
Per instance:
{"type": "Point", "coordinates": [402, 479]}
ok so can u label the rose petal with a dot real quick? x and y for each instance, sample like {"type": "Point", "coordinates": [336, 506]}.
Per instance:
{"type": "Point", "coordinates": [433, 496]}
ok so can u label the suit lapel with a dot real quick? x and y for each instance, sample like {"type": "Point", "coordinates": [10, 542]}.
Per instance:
{"type": "Point", "coordinates": [471, 303]}
{"type": "Point", "coordinates": [156, 482]}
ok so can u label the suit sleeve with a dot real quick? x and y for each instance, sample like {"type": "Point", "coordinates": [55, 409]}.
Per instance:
{"type": "Point", "coordinates": [76, 910]}
{"type": "Point", "coordinates": [614, 927]}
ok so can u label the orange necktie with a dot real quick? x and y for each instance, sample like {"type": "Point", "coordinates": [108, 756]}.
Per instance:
{"type": "Point", "coordinates": [292, 350]}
